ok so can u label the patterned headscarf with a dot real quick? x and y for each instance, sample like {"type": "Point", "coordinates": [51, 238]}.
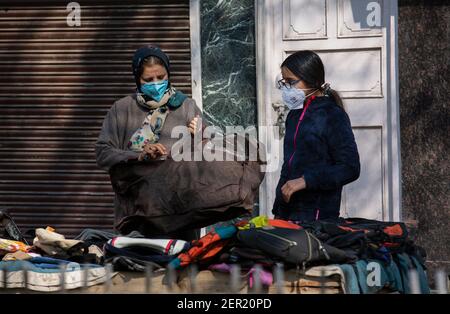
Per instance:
{"type": "Point", "coordinates": [150, 130]}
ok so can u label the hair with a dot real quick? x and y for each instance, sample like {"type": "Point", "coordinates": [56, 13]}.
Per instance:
{"type": "Point", "coordinates": [307, 66]}
{"type": "Point", "coordinates": [151, 60]}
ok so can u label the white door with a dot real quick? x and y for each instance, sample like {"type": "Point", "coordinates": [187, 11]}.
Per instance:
{"type": "Point", "coordinates": [356, 40]}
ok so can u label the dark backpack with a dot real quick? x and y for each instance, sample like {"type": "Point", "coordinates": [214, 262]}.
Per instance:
{"type": "Point", "coordinates": [10, 229]}
{"type": "Point", "coordinates": [388, 233]}
{"type": "Point", "coordinates": [363, 237]}
{"type": "Point", "coordinates": [298, 247]}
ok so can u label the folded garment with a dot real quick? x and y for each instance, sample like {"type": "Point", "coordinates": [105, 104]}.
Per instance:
{"type": "Point", "coordinates": [362, 274]}
{"type": "Point", "coordinates": [329, 272]}
{"type": "Point", "coordinates": [53, 243]}
{"type": "Point", "coordinates": [136, 254]}
{"type": "Point", "coordinates": [207, 248]}
{"type": "Point", "coordinates": [350, 280]}
{"type": "Point", "coordinates": [161, 246]}
{"type": "Point", "coordinates": [389, 276]}
{"type": "Point", "coordinates": [135, 258]}
{"type": "Point", "coordinates": [96, 237]}
{"type": "Point", "coordinates": [423, 281]}
{"type": "Point", "coordinates": [11, 246]}
{"type": "Point", "coordinates": [100, 237]}
{"type": "Point", "coordinates": [128, 264]}
{"type": "Point", "coordinates": [16, 256]}
{"type": "Point", "coordinates": [54, 263]}
{"type": "Point", "coordinates": [262, 221]}
{"type": "Point", "coordinates": [406, 263]}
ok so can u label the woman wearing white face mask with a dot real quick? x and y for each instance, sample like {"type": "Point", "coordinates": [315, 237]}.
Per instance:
{"type": "Point", "coordinates": [320, 153]}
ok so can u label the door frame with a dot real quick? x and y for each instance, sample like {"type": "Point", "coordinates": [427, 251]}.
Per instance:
{"type": "Point", "coordinates": [264, 43]}
{"type": "Point", "coordinates": [196, 61]}
{"type": "Point", "coordinates": [393, 116]}
{"type": "Point", "coordinates": [265, 52]}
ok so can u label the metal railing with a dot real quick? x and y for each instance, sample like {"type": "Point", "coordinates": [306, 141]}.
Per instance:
{"type": "Point", "coordinates": [234, 284]}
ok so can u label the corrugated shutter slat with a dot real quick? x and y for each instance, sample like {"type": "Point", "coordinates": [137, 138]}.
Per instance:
{"type": "Point", "coordinates": [56, 85]}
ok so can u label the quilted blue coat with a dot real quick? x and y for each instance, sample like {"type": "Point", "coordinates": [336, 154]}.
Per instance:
{"type": "Point", "coordinates": [322, 149]}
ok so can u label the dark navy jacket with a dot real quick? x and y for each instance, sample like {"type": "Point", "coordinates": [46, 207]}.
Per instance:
{"type": "Point", "coordinates": [325, 154]}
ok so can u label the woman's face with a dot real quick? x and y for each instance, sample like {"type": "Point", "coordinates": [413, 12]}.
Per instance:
{"type": "Point", "coordinates": [288, 76]}
{"type": "Point", "coordinates": [153, 73]}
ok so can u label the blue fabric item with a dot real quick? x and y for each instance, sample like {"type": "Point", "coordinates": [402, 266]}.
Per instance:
{"type": "Point", "coordinates": [176, 100]}
{"type": "Point", "coordinates": [21, 265]}
{"type": "Point", "coordinates": [226, 232]}
{"type": "Point", "coordinates": [325, 153]}
{"type": "Point", "coordinates": [52, 265]}
{"type": "Point", "coordinates": [363, 273]}
{"type": "Point", "coordinates": [394, 277]}
{"type": "Point", "coordinates": [404, 264]}
{"type": "Point", "coordinates": [48, 266]}
{"type": "Point", "coordinates": [47, 260]}
{"type": "Point", "coordinates": [176, 263]}
{"type": "Point", "coordinates": [383, 254]}
{"type": "Point", "coordinates": [351, 281]}
{"type": "Point", "coordinates": [423, 281]}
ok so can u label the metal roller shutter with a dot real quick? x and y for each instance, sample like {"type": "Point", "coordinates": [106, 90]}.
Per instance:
{"type": "Point", "coordinates": [56, 85]}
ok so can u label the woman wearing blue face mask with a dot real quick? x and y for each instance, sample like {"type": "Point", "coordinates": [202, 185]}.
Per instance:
{"type": "Point", "coordinates": [320, 153]}
{"type": "Point", "coordinates": [138, 127]}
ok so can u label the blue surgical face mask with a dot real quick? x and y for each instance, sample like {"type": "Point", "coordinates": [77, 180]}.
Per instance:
{"type": "Point", "coordinates": [293, 97]}
{"type": "Point", "coordinates": [155, 90]}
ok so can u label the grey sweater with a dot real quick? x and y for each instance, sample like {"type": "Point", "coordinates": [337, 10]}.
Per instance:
{"type": "Point", "coordinates": [124, 118]}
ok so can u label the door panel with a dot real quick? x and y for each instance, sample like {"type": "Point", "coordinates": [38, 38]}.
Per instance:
{"type": "Point", "coordinates": [368, 189]}
{"type": "Point", "coordinates": [301, 20]}
{"type": "Point", "coordinates": [359, 18]}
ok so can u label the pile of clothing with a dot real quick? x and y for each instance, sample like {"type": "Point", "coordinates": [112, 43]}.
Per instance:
{"type": "Point", "coordinates": [40, 266]}
{"type": "Point", "coordinates": [366, 256]}
{"type": "Point", "coordinates": [369, 256]}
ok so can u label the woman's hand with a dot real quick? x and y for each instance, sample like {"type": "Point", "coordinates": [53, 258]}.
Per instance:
{"type": "Point", "coordinates": [292, 186]}
{"type": "Point", "coordinates": [154, 151]}
{"type": "Point", "coordinates": [193, 125]}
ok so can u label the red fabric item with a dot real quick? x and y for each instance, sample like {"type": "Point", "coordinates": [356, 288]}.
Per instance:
{"type": "Point", "coordinates": [279, 223]}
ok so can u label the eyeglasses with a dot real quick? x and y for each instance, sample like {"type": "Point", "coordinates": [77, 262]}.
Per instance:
{"type": "Point", "coordinates": [288, 84]}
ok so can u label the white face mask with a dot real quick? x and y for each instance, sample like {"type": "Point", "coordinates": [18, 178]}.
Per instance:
{"type": "Point", "coordinates": [293, 97]}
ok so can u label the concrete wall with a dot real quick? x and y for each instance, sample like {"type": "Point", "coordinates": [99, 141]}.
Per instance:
{"type": "Point", "coordinates": [424, 120]}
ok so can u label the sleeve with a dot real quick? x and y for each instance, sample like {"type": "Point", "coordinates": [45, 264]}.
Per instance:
{"type": "Point", "coordinates": [343, 151]}
{"type": "Point", "coordinates": [193, 111]}
{"type": "Point", "coordinates": [284, 167]}
{"type": "Point", "coordinates": [107, 147]}
{"type": "Point", "coordinates": [283, 173]}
